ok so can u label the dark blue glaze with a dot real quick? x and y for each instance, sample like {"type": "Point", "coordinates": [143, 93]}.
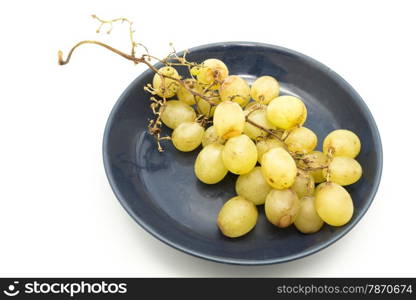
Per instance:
{"type": "Point", "coordinates": [162, 194]}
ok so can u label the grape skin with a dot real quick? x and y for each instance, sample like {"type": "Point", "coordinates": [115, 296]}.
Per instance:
{"type": "Point", "coordinates": [259, 117]}
{"type": "Point", "coordinates": [279, 168]}
{"type": "Point", "coordinates": [239, 154]}
{"type": "Point", "coordinates": [342, 142]}
{"type": "Point", "coordinates": [210, 136]}
{"type": "Point", "coordinates": [343, 170]}
{"type": "Point", "coordinates": [333, 204]}
{"type": "Point", "coordinates": [185, 95]}
{"type": "Point", "coordinates": [301, 140]}
{"type": "Point", "coordinates": [166, 87]}
{"type": "Point", "coordinates": [281, 207]}
{"type": "Point", "coordinates": [176, 112]}
{"type": "Point", "coordinates": [212, 69]}
{"type": "Point", "coordinates": [307, 220]}
{"type": "Point", "coordinates": [209, 167]}
{"type": "Point", "coordinates": [237, 217]}
{"type": "Point", "coordinates": [286, 112]}
{"type": "Point", "coordinates": [253, 186]}
{"type": "Point", "coordinates": [228, 120]}
{"type": "Point", "coordinates": [265, 144]}
{"type": "Point", "coordinates": [236, 89]}
{"type": "Point", "coordinates": [187, 136]}
{"type": "Point", "coordinates": [316, 159]}
{"type": "Point", "coordinates": [265, 89]}
{"type": "Point", "coordinates": [304, 184]}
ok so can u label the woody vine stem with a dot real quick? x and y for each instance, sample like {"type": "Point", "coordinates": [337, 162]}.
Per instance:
{"type": "Point", "coordinates": [172, 59]}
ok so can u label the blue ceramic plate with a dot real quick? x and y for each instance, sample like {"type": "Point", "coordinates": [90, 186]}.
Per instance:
{"type": "Point", "coordinates": [162, 194]}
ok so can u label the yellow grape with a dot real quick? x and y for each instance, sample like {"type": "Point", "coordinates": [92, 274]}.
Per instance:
{"type": "Point", "coordinates": [301, 140]}
{"type": "Point", "coordinates": [281, 207]}
{"type": "Point", "coordinates": [209, 167]}
{"type": "Point", "coordinates": [343, 170]}
{"type": "Point", "coordinates": [259, 117]}
{"type": "Point", "coordinates": [167, 87]}
{"type": "Point", "coordinates": [315, 159]}
{"type": "Point", "coordinates": [304, 184]}
{"type": "Point", "coordinates": [265, 144]}
{"type": "Point", "coordinates": [307, 220]}
{"type": "Point", "coordinates": [264, 89]}
{"type": "Point", "coordinates": [279, 168]}
{"type": "Point", "coordinates": [203, 107]}
{"type": "Point", "coordinates": [185, 95]}
{"type": "Point", "coordinates": [286, 112]}
{"type": "Point", "coordinates": [228, 120]}
{"type": "Point", "coordinates": [333, 204]}
{"type": "Point", "coordinates": [239, 154]}
{"type": "Point", "coordinates": [342, 142]}
{"type": "Point", "coordinates": [176, 112]}
{"type": "Point", "coordinates": [236, 89]}
{"type": "Point", "coordinates": [187, 136]}
{"type": "Point", "coordinates": [237, 217]}
{"type": "Point", "coordinates": [210, 70]}
{"type": "Point", "coordinates": [210, 136]}
{"type": "Point", "coordinates": [252, 186]}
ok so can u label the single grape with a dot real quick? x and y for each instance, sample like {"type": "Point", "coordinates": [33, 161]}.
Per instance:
{"type": "Point", "coordinates": [187, 136]}
{"type": "Point", "coordinates": [264, 89]}
{"type": "Point", "coordinates": [185, 95]}
{"type": "Point", "coordinates": [254, 105]}
{"type": "Point", "coordinates": [265, 144]}
{"type": "Point", "coordinates": [315, 160]}
{"type": "Point", "coordinates": [203, 107]}
{"type": "Point", "coordinates": [286, 112]}
{"type": "Point", "coordinates": [304, 184]}
{"type": "Point", "coordinates": [342, 142]}
{"type": "Point", "coordinates": [252, 186]}
{"type": "Point", "coordinates": [236, 89]}
{"type": "Point", "coordinates": [259, 117]}
{"type": "Point", "coordinates": [239, 154]}
{"type": "Point", "coordinates": [279, 168]}
{"type": "Point", "coordinates": [176, 112]}
{"type": "Point", "coordinates": [210, 136]}
{"type": "Point", "coordinates": [209, 167]}
{"type": "Point", "coordinates": [166, 87]}
{"type": "Point", "coordinates": [237, 217]}
{"type": "Point", "coordinates": [343, 170]}
{"type": "Point", "coordinates": [281, 207]}
{"type": "Point", "coordinates": [301, 140]}
{"type": "Point", "coordinates": [212, 70]}
{"type": "Point", "coordinates": [228, 120]}
{"type": "Point", "coordinates": [307, 220]}
{"type": "Point", "coordinates": [333, 204]}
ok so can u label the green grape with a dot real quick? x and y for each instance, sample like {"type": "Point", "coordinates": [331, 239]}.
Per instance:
{"type": "Point", "coordinates": [286, 112]}
{"type": "Point", "coordinates": [236, 89]}
{"type": "Point", "coordinates": [239, 154]}
{"type": "Point", "coordinates": [265, 89]}
{"type": "Point", "coordinates": [333, 204]}
{"type": "Point", "coordinates": [315, 160]}
{"type": "Point", "coordinates": [304, 184]}
{"type": "Point", "coordinates": [187, 136]}
{"type": "Point", "coordinates": [228, 120]}
{"type": "Point", "coordinates": [176, 112]}
{"type": "Point", "coordinates": [253, 105]}
{"type": "Point", "coordinates": [342, 142]}
{"type": "Point", "coordinates": [212, 70]}
{"type": "Point", "coordinates": [279, 168]}
{"type": "Point", "coordinates": [265, 144]}
{"type": "Point", "coordinates": [301, 140]}
{"type": "Point", "coordinates": [185, 95]}
{"type": "Point", "coordinates": [281, 207]}
{"type": "Point", "coordinates": [210, 136]}
{"type": "Point", "coordinates": [203, 107]}
{"type": "Point", "coordinates": [252, 186]}
{"type": "Point", "coordinates": [209, 167]}
{"type": "Point", "coordinates": [237, 217]}
{"type": "Point", "coordinates": [166, 87]}
{"type": "Point", "coordinates": [308, 221]}
{"type": "Point", "coordinates": [259, 117]}
{"type": "Point", "coordinates": [343, 170]}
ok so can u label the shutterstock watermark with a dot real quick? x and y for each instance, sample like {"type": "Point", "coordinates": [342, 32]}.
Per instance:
{"type": "Point", "coordinates": [37, 287]}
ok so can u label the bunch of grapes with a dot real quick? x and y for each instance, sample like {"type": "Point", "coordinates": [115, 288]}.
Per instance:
{"type": "Point", "coordinates": [258, 134]}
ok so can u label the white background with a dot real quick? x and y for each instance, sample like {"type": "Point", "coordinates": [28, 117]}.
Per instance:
{"type": "Point", "coordinates": [58, 215]}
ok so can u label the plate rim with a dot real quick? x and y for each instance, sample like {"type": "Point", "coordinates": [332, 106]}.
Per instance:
{"type": "Point", "coordinates": [219, 259]}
